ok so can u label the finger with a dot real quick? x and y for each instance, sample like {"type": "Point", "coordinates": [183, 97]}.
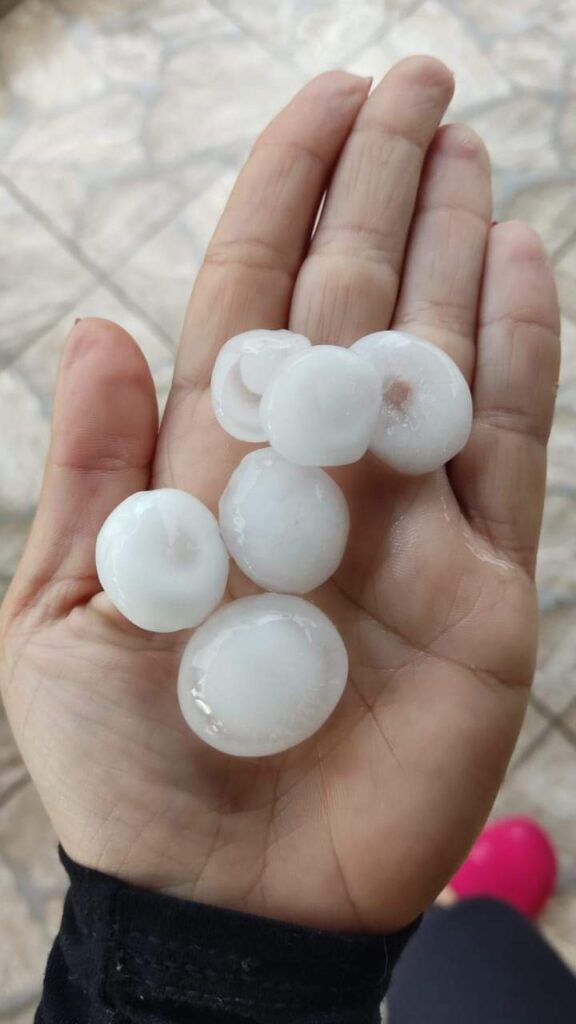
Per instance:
{"type": "Point", "coordinates": [251, 263]}
{"type": "Point", "coordinates": [348, 284]}
{"type": "Point", "coordinates": [103, 437]}
{"type": "Point", "coordinates": [443, 268]}
{"type": "Point", "coordinates": [499, 478]}
{"type": "Point", "coordinates": [247, 278]}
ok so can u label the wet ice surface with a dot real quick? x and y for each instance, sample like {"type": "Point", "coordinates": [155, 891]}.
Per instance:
{"type": "Point", "coordinates": [426, 413]}
{"type": "Point", "coordinates": [262, 674]}
{"type": "Point", "coordinates": [286, 526]}
{"type": "Point", "coordinates": [243, 368]}
{"type": "Point", "coordinates": [161, 560]}
{"type": "Point", "coordinates": [321, 407]}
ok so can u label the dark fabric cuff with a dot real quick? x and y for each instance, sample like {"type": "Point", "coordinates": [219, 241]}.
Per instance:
{"type": "Point", "coordinates": [142, 956]}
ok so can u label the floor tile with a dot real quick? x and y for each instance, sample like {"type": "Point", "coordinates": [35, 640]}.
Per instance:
{"type": "Point", "coordinates": [563, 23]}
{"type": "Point", "coordinates": [25, 432]}
{"type": "Point", "coordinates": [534, 728]}
{"type": "Point", "coordinates": [160, 275]}
{"type": "Point", "coordinates": [568, 119]}
{"type": "Point", "coordinates": [43, 64]}
{"type": "Point", "coordinates": [39, 363]}
{"type": "Point", "coordinates": [40, 279]}
{"type": "Point", "coordinates": [163, 380]}
{"type": "Point", "coordinates": [28, 845]}
{"type": "Point", "coordinates": [520, 135]}
{"type": "Point", "coordinates": [435, 30]}
{"type": "Point", "coordinates": [25, 1016]}
{"type": "Point", "coordinates": [555, 681]}
{"type": "Point", "coordinates": [561, 449]}
{"type": "Point", "coordinates": [14, 529]}
{"type": "Point", "coordinates": [549, 208]}
{"type": "Point", "coordinates": [566, 397]}
{"type": "Point", "coordinates": [315, 36]}
{"type": "Point", "coordinates": [565, 266]}
{"type": "Point", "coordinates": [544, 787]}
{"type": "Point", "coordinates": [569, 722]}
{"type": "Point", "coordinates": [558, 924]}
{"type": "Point", "coordinates": [531, 59]}
{"type": "Point", "coordinates": [556, 574]}
{"type": "Point", "coordinates": [22, 958]}
{"type": "Point", "coordinates": [106, 160]}
{"type": "Point", "coordinates": [173, 21]}
{"type": "Point", "coordinates": [561, 452]}
{"type": "Point", "coordinates": [109, 218]}
{"type": "Point", "coordinates": [513, 17]}
{"type": "Point", "coordinates": [220, 109]}
{"type": "Point", "coordinates": [102, 133]}
{"type": "Point", "coordinates": [13, 774]}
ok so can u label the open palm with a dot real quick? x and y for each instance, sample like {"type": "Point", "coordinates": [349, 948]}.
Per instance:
{"type": "Point", "coordinates": [362, 825]}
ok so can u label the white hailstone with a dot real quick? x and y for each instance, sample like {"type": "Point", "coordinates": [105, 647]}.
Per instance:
{"type": "Point", "coordinates": [286, 526]}
{"type": "Point", "coordinates": [426, 414]}
{"type": "Point", "coordinates": [321, 407]}
{"type": "Point", "coordinates": [161, 560]}
{"type": "Point", "coordinates": [243, 368]}
{"type": "Point", "coordinates": [262, 674]}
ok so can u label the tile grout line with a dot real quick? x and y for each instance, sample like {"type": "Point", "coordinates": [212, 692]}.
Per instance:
{"type": "Point", "coordinates": [249, 33]}
{"type": "Point", "coordinates": [60, 314]}
{"type": "Point", "coordinates": [98, 274]}
{"type": "Point", "coordinates": [554, 725]}
{"type": "Point", "coordinates": [101, 276]}
{"type": "Point", "coordinates": [531, 749]}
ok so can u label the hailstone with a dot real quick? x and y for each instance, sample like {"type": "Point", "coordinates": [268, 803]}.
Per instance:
{"type": "Point", "coordinates": [286, 526]}
{"type": "Point", "coordinates": [243, 368]}
{"type": "Point", "coordinates": [321, 407]}
{"type": "Point", "coordinates": [425, 417]}
{"type": "Point", "coordinates": [161, 560]}
{"type": "Point", "coordinates": [262, 674]}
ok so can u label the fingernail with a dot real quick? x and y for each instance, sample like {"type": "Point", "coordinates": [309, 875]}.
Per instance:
{"type": "Point", "coordinates": [365, 80]}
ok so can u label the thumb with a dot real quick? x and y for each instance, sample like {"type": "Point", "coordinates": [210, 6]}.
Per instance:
{"type": "Point", "coordinates": [104, 431]}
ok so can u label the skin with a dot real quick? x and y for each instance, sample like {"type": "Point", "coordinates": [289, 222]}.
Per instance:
{"type": "Point", "coordinates": [360, 827]}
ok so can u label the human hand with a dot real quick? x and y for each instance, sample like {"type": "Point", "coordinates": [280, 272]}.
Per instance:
{"type": "Point", "coordinates": [361, 826]}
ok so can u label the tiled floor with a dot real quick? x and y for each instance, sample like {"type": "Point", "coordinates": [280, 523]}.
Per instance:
{"type": "Point", "coordinates": [121, 127]}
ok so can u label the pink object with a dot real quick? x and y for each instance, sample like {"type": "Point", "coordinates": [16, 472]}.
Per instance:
{"type": "Point", "coordinates": [512, 860]}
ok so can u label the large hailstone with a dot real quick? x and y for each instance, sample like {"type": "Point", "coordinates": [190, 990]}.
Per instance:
{"type": "Point", "coordinates": [426, 414]}
{"type": "Point", "coordinates": [161, 560]}
{"type": "Point", "coordinates": [286, 526]}
{"type": "Point", "coordinates": [321, 407]}
{"type": "Point", "coordinates": [244, 367]}
{"type": "Point", "coordinates": [261, 675]}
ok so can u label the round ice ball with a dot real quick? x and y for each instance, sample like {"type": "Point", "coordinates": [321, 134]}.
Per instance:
{"type": "Point", "coordinates": [262, 674]}
{"type": "Point", "coordinates": [426, 413]}
{"type": "Point", "coordinates": [321, 407]}
{"type": "Point", "coordinates": [243, 368]}
{"type": "Point", "coordinates": [286, 526]}
{"type": "Point", "coordinates": [161, 560]}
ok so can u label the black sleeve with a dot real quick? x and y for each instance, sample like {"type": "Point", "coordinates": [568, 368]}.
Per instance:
{"type": "Point", "coordinates": [126, 955]}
